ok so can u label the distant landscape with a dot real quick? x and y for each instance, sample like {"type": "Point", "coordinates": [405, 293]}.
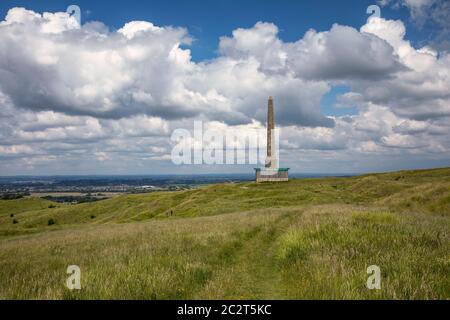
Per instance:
{"type": "Point", "coordinates": [78, 189]}
{"type": "Point", "coordinates": [234, 239]}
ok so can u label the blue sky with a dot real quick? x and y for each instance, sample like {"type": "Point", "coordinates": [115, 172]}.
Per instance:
{"type": "Point", "coordinates": [76, 100]}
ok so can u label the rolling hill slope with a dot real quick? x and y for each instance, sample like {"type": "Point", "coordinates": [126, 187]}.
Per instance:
{"type": "Point", "coordinates": [311, 238]}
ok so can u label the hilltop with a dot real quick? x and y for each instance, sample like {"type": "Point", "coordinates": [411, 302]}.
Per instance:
{"type": "Point", "coordinates": [307, 238]}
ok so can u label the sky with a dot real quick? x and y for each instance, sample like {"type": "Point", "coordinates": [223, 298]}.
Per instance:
{"type": "Point", "coordinates": [103, 95]}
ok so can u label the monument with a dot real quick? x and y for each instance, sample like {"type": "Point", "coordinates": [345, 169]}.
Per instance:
{"type": "Point", "coordinates": [271, 172]}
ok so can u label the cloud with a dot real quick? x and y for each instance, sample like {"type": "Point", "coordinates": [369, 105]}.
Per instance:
{"type": "Point", "coordinates": [428, 13]}
{"type": "Point", "coordinates": [423, 90]}
{"type": "Point", "coordinates": [142, 69]}
{"type": "Point", "coordinates": [343, 53]}
{"type": "Point", "coordinates": [334, 54]}
{"type": "Point", "coordinates": [80, 97]}
{"type": "Point", "coordinates": [81, 71]}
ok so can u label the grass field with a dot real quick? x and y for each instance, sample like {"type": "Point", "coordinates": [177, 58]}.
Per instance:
{"type": "Point", "coordinates": [305, 239]}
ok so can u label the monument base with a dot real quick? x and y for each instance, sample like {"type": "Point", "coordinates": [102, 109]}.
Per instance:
{"type": "Point", "coordinates": [272, 175]}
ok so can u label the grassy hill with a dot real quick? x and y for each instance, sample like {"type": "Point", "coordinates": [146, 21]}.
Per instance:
{"type": "Point", "coordinates": [309, 238]}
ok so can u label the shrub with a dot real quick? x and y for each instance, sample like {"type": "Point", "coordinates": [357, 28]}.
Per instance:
{"type": "Point", "coordinates": [15, 221]}
{"type": "Point", "coordinates": [51, 221]}
{"type": "Point", "coordinates": [11, 215]}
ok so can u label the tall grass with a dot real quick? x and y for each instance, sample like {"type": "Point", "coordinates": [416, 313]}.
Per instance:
{"type": "Point", "coordinates": [327, 256]}
{"type": "Point", "coordinates": [304, 239]}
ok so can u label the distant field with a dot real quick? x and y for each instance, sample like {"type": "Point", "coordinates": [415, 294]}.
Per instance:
{"type": "Point", "coordinates": [308, 238]}
{"type": "Point", "coordinates": [64, 194]}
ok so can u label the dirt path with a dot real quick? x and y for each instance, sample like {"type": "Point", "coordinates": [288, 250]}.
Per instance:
{"type": "Point", "coordinates": [254, 273]}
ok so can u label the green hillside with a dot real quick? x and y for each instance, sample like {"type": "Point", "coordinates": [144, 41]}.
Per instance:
{"type": "Point", "coordinates": [309, 238]}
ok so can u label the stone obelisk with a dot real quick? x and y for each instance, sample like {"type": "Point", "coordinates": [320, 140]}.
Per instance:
{"type": "Point", "coordinates": [271, 161]}
{"type": "Point", "coordinates": [271, 172]}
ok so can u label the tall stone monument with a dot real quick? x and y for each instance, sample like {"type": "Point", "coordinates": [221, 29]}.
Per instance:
{"type": "Point", "coordinates": [271, 160]}
{"type": "Point", "coordinates": [271, 172]}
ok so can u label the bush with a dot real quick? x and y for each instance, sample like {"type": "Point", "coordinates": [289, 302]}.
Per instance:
{"type": "Point", "coordinates": [11, 196]}
{"type": "Point", "coordinates": [92, 217]}
{"type": "Point", "coordinates": [52, 206]}
{"type": "Point", "coordinates": [15, 221]}
{"type": "Point", "coordinates": [11, 215]}
{"type": "Point", "coordinates": [51, 221]}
